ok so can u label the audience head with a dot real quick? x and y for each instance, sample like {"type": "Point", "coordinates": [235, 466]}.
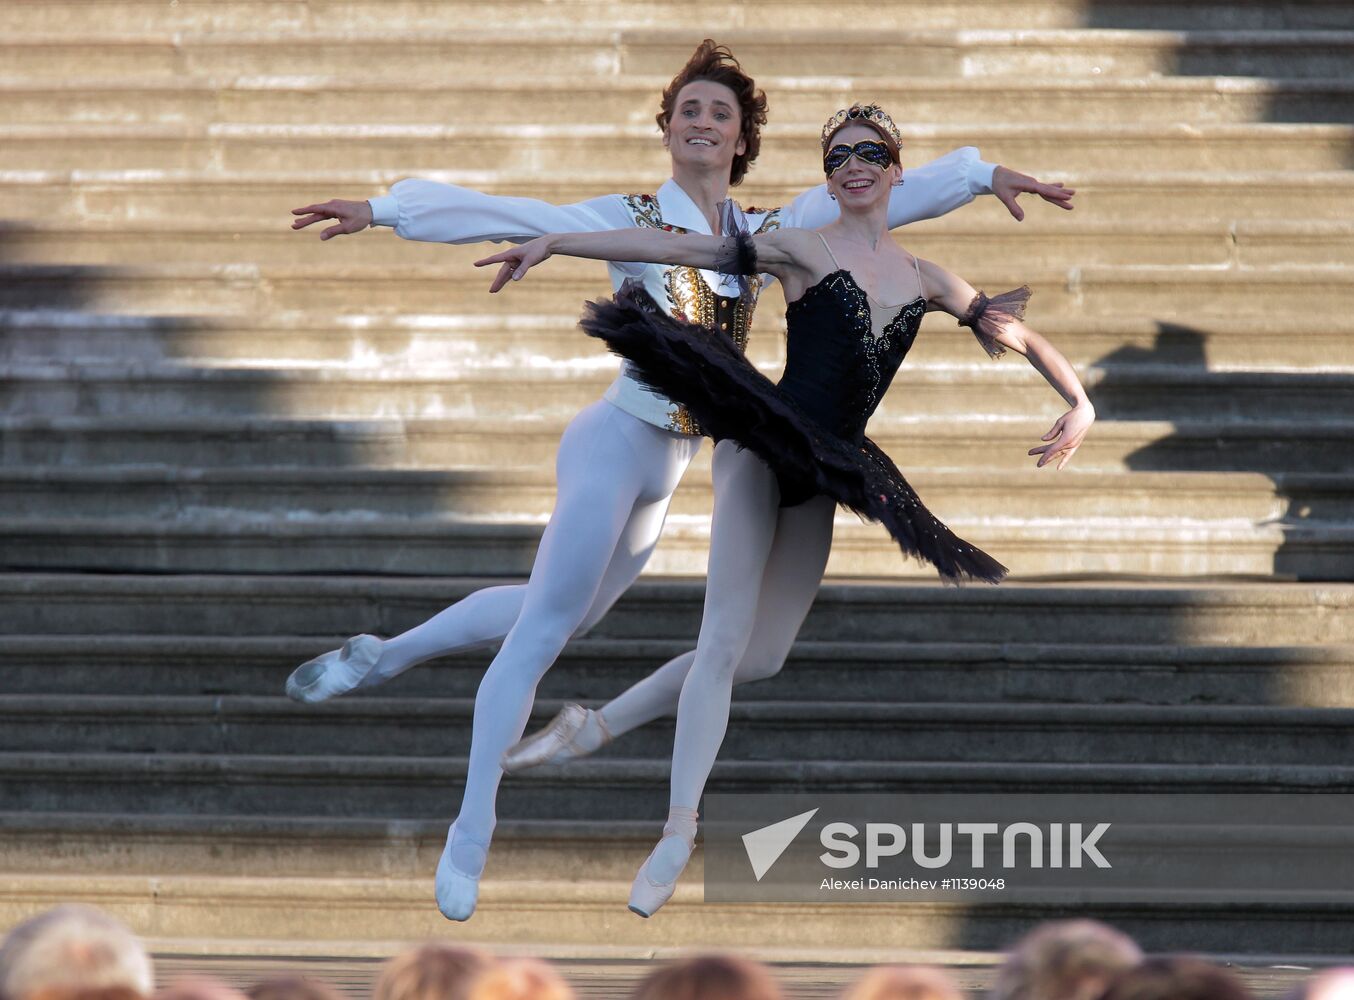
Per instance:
{"type": "Point", "coordinates": [904, 982]}
{"type": "Point", "coordinates": [520, 979]}
{"type": "Point", "coordinates": [432, 971]}
{"type": "Point", "coordinates": [292, 988]}
{"type": "Point", "coordinates": [1333, 984]}
{"type": "Point", "coordinates": [1065, 960]}
{"type": "Point", "coordinates": [87, 993]}
{"type": "Point", "coordinates": [195, 988]}
{"type": "Point", "coordinates": [72, 947]}
{"type": "Point", "coordinates": [709, 977]}
{"type": "Point", "coordinates": [1176, 979]}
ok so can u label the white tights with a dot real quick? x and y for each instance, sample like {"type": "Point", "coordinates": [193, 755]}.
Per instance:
{"type": "Point", "coordinates": [760, 584]}
{"type": "Point", "coordinates": [615, 477]}
{"type": "Point", "coordinates": [789, 584]}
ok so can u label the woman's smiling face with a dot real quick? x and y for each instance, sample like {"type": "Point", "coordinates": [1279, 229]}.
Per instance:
{"type": "Point", "coordinates": [858, 182]}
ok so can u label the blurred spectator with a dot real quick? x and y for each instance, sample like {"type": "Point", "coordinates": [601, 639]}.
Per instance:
{"type": "Point", "coordinates": [1333, 984]}
{"type": "Point", "coordinates": [431, 971]}
{"type": "Point", "coordinates": [904, 982]}
{"type": "Point", "coordinates": [72, 946]}
{"type": "Point", "coordinates": [520, 979]}
{"type": "Point", "coordinates": [199, 989]}
{"type": "Point", "coordinates": [87, 993]}
{"type": "Point", "coordinates": [1065, 960]}
{"type": "Point", "coordinates": [709, 977]}
{"type": "Point", "coordinates": [1176, 979]}
{"type": "Point", "coordinates": [292, 988]}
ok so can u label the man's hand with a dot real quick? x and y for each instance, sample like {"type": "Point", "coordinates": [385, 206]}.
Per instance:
{"type": "Point", "coordinates": [1008, 184]}
{"type": "Point", "coordinates": [352, 216]}
{"type": "Point", "coordinates": [517, 261]}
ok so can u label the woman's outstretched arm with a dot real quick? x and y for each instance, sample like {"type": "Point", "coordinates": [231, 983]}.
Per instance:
{"type": "Point", "coordinates": [716, 253]}
{"type": "Point", "coordinates": [1001, 329]}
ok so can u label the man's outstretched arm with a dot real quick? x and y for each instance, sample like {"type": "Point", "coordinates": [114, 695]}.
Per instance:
{"type": "Point", "coordinates": [433, 212]}
{"type": "Point", "coordinates": [935, 189]}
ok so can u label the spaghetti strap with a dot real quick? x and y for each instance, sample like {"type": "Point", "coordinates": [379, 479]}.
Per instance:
{"type": "Point", "coordinates": [921, 286]}
{"type": "Point", "coordinates": [828, 249]}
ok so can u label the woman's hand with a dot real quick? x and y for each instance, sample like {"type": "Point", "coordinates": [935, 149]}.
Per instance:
{"type": "Point", "coordinates": [517, 260]}
{"type": "Point", "coordinates": [1067, 433]}
{"type": "Point", "coordinates": [351, 216]}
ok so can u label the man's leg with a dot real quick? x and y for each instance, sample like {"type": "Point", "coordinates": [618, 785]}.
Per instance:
{"type": "Point", "coordinates": [604, 476]}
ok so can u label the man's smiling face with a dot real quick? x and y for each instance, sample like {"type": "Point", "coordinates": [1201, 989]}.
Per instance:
{"type": "Point", "coordinates": [705, 131]}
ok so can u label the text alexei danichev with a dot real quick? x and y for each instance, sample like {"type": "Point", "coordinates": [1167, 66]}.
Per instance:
{"type": "Point", "coordinates": [910, 883]}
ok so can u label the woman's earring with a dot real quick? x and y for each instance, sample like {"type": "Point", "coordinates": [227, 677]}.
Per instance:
{"type": "Point", "coordinates": [898, 183]}
{"type": "Point", "coordinates": [832, 196]}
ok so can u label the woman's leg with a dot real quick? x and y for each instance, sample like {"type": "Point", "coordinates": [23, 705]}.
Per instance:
{"type": "Point", "coordinates": [609, 468]}
{"type": "Point", "coordinates": [794, 571]}
{"type": "Point", "coordinates": [741, 535]}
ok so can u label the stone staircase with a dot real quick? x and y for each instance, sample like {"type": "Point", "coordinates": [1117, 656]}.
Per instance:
{"type": "Point", "coordinates": [225, 446]}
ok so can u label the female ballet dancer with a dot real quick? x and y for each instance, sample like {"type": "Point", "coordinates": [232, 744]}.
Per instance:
{"type": "Point", "coordinates": [621, 458]}
{"type": "Point", "coordinates": [800, 443]}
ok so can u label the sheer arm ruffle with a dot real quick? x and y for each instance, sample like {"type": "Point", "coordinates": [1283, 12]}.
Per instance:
{"type": "Point", "coordinates": [988, 317]}
{"type": "Point", "coordinates": [737, 254]}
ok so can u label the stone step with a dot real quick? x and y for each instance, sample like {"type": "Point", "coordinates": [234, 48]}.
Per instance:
{"type": "Point", "coordinates": [299, 847]}
{"type": "Point", "coordinates": [918, 443]}
{"type": "Point", "coordinates": [1063, 242]}
{"type": "Point", "coordinates": [780, 731]}
{"type": "Point", "coordinates": [118, 18]}
{"type": "Point", "coordinates": [268, 197]}
{"type": "Point", "coordinates": [524, 851]}
{"type": "Point", "coordinates": [232, 148]}
{"type": "Point", "coordinates": [1029, 547]}
{"type": "Point", "coordinates": [220, 850]}
{"type": "Point", "coordinates": [594, 670]}
{"type": "Point", "coordinates": [1137, 611]}
{"type": "Point", "coordinates": [338, 916]}
{"type": "Point", "coordinates": [1293, 341]}
{"type": "Point", "coordinates": [443, 54]}
{"type": "Point", "coordinates": [633, 99]}
{"type": "Point", "coordinates": [593, 789]}
{"type": "Point", "coordinates": [1164, 293]}
{"type": "Point", "coordinates": [1007, 391]}
{"type": "Point", "coordinates": [174, 494]}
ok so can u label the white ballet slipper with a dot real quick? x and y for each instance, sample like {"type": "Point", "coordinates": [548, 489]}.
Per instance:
{"type": "Point", "coordinates": [556, 742]}
{"type": "Point", "coordinates": [457, 892]}
{"type": "Point", "coordinates": [335, 672]}
{"type": "Point", "coordinates": [648, 894]}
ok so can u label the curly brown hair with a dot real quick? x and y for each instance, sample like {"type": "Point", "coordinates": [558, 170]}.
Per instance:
{"type": "Point", "coordinates": [716, 63]}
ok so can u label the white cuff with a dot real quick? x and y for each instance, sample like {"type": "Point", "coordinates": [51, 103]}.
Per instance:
{"type": "Point", "coordinates": [980, 176]}
{"type": "Point", "coordinates": [385, 210]}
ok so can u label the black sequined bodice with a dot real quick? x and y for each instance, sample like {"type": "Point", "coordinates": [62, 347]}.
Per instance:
{"type": "Point", "coordinates": [836, 369]}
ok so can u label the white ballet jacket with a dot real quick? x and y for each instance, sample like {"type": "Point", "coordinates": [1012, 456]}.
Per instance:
{"type": "Point", "coordinates": [434, 212]}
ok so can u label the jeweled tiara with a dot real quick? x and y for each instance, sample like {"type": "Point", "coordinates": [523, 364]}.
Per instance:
{"type": "Point", "coordinates": [871, 113]}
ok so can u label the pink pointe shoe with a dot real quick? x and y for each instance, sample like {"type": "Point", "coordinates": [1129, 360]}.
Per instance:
{"type": "Point", "coordinates": [457, 892]}
{"type": "Point", "coordinates": [575, 732]}
{"type": "Point", "coordinates": [335, 672]}
{"type": "Point", "coordinates": [647, 894]}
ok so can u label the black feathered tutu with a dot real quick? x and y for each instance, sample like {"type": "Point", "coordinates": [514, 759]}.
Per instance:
{"type": "Point", "coordinates": [706, 372]}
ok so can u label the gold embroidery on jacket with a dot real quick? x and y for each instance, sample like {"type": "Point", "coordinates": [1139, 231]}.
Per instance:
{"type": "Point", "coordinates": [694, 300]}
